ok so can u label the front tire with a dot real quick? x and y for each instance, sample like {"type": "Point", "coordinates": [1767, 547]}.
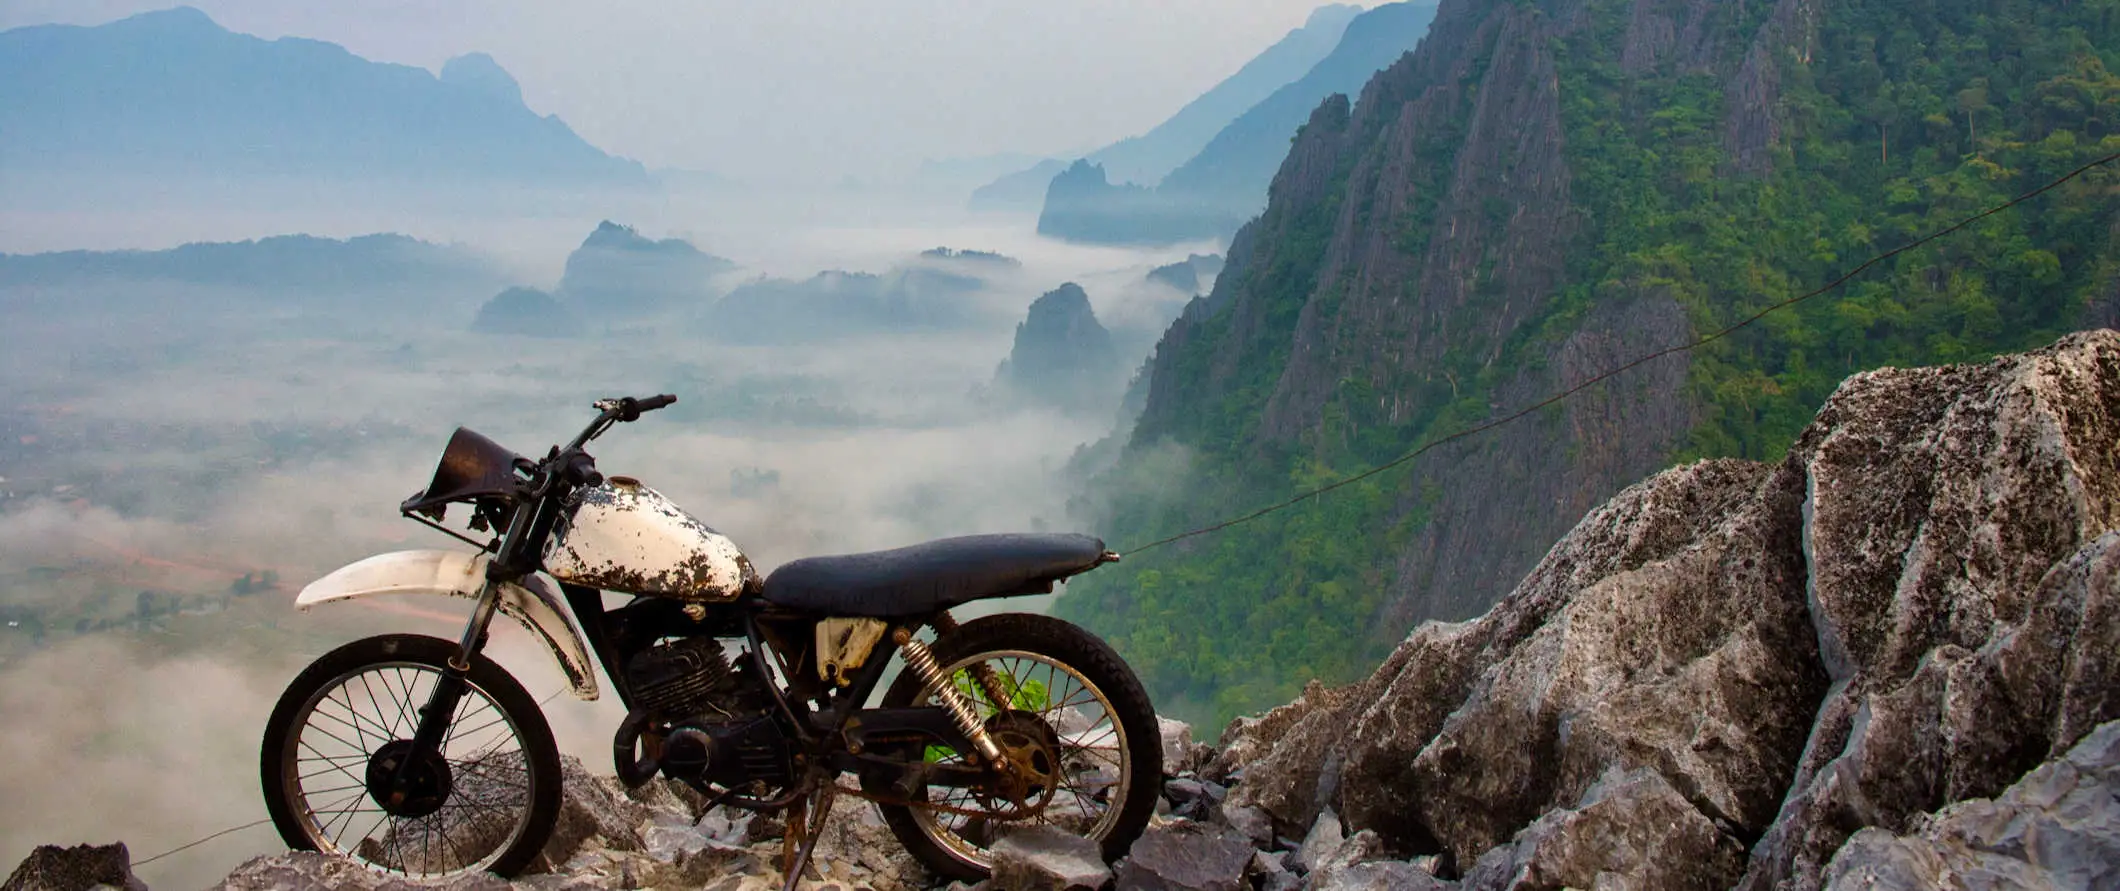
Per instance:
{"type": "Point", "coordinates": [496, 784]}
{"type": "Point", "coordinates": [1084, 697]}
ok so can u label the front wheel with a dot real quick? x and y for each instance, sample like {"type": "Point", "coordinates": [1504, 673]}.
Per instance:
{"type": "Point", "coordinates": [1072, 705]}
{"type": "Point", "coordinates": [486, 801]}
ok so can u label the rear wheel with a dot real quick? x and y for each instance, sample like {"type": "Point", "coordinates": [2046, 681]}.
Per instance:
{"type": "Point", "coordinates": [486, 801]}
{"type": "Point", "coordinates": [1076, 719]}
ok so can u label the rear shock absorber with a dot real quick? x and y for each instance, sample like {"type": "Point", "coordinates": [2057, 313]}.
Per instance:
{"type": "Point", "coordinates": [989, 679]}
{"type": "Point", "coordinates": [922, 661]}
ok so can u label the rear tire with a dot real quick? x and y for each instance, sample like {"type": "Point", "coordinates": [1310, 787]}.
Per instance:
{"type": "Point", "coordinates": [1121, 726]}
{"type": "Point", "coordinates": [502, 774]}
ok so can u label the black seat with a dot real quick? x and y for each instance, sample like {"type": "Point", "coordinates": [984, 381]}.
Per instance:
{"type": "Point", "coordinates": [932, 576]}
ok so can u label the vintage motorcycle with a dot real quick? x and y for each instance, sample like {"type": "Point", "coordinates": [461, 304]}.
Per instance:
{"type": "Point", "coordinates": [421, 757]}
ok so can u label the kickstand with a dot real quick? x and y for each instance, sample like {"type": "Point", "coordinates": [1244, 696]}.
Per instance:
{"type": "Point", "coordinates": [810, 818]}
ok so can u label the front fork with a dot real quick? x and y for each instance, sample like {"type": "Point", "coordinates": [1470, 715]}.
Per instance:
{"type": "Point", "coordinates": [449, 690]}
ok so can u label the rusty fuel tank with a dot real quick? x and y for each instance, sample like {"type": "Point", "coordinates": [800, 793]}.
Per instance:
{"type": "Point", "coordinates": [624, 536]}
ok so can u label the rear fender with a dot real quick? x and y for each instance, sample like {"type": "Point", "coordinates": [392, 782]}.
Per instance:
{"type": "Point", "coordinates": [532, 601]}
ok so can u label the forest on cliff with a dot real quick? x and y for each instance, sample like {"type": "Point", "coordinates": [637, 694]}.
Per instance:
{"type": "Point", "coordinates": [1543, 190]}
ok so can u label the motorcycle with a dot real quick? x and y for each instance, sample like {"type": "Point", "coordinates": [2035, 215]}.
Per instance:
{"type": "Point", "coordinates": [422, 757]}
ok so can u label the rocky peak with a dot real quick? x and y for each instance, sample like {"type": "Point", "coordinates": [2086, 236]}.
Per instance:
{"type": "Point", "coordinates": [478, 73]}
{"type": "Point", "coordinates": [1062, 355]}
{"type": "Point", "coordinates": [619, 273]}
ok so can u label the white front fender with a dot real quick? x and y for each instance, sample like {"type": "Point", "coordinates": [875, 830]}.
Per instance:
{"type": "Point", "coordinates": [457, 574]}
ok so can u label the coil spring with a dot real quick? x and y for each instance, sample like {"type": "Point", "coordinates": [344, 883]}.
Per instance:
{"type": "Point", "coordinates": [922, 661]}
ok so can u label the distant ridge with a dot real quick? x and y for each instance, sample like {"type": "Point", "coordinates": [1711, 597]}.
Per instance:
{"type": "Point", "coordinates": [172, 92]}
{"type": "Point", "coordinates": [1150, 156]}
{"type": "Point", "coordinates": [1215, 191]}
{"type": "Point", "coordinates": [304, 262]}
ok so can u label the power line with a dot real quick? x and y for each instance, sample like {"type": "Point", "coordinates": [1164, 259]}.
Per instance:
{"type": "Point", "coordinates": [255, 823]}
{"type": "Point", "coordinates": [1601, 377]}
{"type": "Point", "coordinates": [187, 847]}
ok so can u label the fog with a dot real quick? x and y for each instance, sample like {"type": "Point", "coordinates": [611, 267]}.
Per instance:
{"type": "Point", "coordinates": [184, 441]}
{"type": "Point", "coordinates": [801, 91]}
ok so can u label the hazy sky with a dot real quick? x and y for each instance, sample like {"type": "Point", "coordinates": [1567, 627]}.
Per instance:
{"type": "Point", "coordinates": [771, 88]}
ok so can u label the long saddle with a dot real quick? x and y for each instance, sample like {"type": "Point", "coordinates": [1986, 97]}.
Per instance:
{"type": "Point", "coordinates": [932, 576]}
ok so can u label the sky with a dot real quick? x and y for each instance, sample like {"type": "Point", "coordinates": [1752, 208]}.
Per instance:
{"type": "Point", "coordinates": [798, 89]}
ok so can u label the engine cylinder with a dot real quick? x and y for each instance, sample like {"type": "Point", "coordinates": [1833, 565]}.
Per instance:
{"type": "Point", "coordinates": [681, 678]}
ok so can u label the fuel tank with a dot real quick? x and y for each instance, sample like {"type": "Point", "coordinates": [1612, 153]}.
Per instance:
{"type": "Point", "coordinates": [624, 536]}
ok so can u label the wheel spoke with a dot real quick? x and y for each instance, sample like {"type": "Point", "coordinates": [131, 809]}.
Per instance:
{"type": "Point", "coordinates": [486, 805]}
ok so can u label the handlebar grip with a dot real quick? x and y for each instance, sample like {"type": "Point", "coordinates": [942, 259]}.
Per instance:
{"type": "Point", "coordinates": [654, 402]}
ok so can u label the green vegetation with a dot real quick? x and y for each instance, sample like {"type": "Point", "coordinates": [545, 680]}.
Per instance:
{"type": "Point", "coordinates": [1897, 121]}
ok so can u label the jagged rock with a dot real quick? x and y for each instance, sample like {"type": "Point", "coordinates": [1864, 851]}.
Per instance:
{"type": "Point", "coordinates": [1193, 799]}
{"type": "Point", "coordinates": [1325, 839]}
{"type": "Point", "coordinates": [1042, 858]}
{"type": "Point", "coordinates": [1252, 822]}
{"type": "Point", "coordinates": [2057, 828]}
{"type": "Point", "coordinates": [592, 808]}
{"type": "Point", "coordinates": [1913, 608]}
{"type": "Point", "coordinates": [1180, 753]}
{"type": "Point", "coordinates": [311, 871]}
{"type": "Point", "coordinates": [79, 868]}
{"type": "Point", "coordinates": [1357, 864]}
{"type": "Point", "coordinates": [1186, 856]}
{"type": "Point", "coordinates": [1631, 831]}
{"type": "Point", "coordinates": [1270, 872]}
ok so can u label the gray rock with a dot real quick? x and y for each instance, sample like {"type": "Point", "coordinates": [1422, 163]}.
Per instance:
{"type": "Point", "coordinates": [53, 868]}
{"type": "Point", "coordinates": [1254, 823]}
{"type": "Point", "coordinates": [1180, 753]}
{"type": "Point", "coordinates": [2057, 828]}
{"type": "Point", "coordinates": [311, 871]}
{"type": "Point", "coordinates": [1631, 832]}
{"type": "Point", "coordinates": [593, 810]}
{"type": "Point", "coordinates": [1913, 608]}
{"type": "Point", "coordinates": [1042, 858]}
{"type": "Point", "coordinates": [1186, 856]}
{"type": "Point", "coordinates": [1326, 838]}
{"type": "Point", "coordinates": [1378, 875]}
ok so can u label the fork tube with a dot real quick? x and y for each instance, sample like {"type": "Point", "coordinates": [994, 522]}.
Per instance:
{"type": "Point", "coordinates": [449, 688]}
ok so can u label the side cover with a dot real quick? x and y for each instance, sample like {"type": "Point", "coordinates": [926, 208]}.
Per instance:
{"type": "Point", "coordinates": [458, 574]}
{"type": "Point", "coordinates": [623, 536]}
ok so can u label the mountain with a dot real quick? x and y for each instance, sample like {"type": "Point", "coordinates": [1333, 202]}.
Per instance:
{"type": "Point", "coordinates": [526, 311]}
{"type": "Point", "coordinates": [1185, 275]}
{"type": "Point", "coordinates": [1022, 190]}
{"type": "Point", "coordinates": [1147, 158]}
{"type": "Point", "coordinates": [1062, 357]}
{"type": "Point", "coordinates": [939, 289]}
{"type": "Point", "coordinates": [1542, 192]}
{"type": "Point", "coordinates": [619, 274]}
{"type": "Point", "coordinates": [1216, 190]}
{"type": "Point", "coordinates": [172, 92]}
{"type": "Point", "coordinates": [290, 265]}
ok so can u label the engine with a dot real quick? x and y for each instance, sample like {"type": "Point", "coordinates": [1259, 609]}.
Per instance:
{"type": "Point", "coordinates": [714, 721]}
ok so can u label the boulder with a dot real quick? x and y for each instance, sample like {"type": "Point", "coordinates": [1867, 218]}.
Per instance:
{"type": "Point", "coordinates": [1631, 832]}
{"type": "Point", "coordinates": [2057, 828]}
{"type": "Point", "coordinates": [79, 868]}
{"type": "Point", "coordinates": [1186, 856]}
{"type": "Point", "coordinates": [1041, 858]}
{"type": "Point", "coordinates": [1180, 753]}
